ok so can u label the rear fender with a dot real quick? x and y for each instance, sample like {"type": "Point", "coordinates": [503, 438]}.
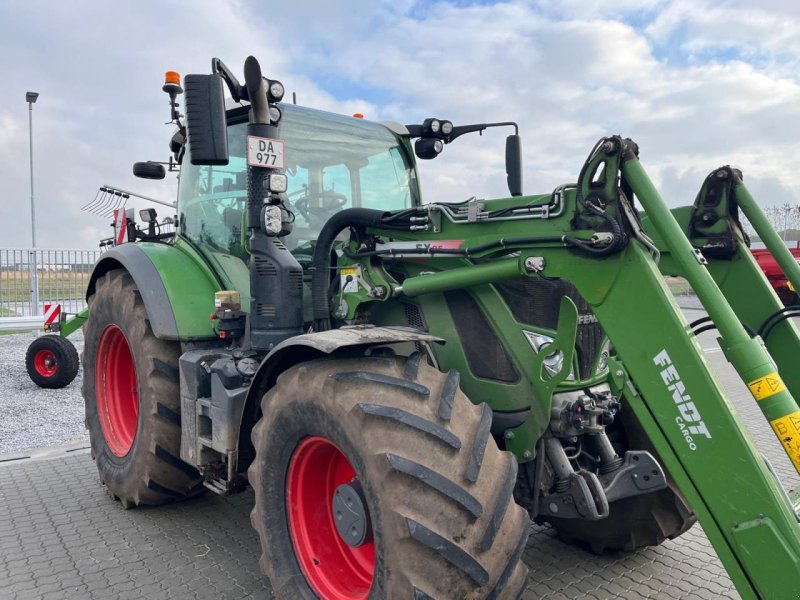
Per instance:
{"type": "Point", "coordinates": [177, 291]}
{"type": "Point", "coordinates": [307, 347]}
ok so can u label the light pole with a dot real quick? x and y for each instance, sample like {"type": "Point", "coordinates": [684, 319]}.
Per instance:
{"type": "Point", "coordinates": [30, 98]}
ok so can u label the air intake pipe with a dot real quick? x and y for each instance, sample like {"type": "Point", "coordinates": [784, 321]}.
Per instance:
{"type": "Point", "coordinates": [320, 280]}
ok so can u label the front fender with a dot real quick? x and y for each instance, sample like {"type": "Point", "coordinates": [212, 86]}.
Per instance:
{"type": "Point", "coordinates": [176, 287]}
{"type": "Point", "coordinates": [302, 348]}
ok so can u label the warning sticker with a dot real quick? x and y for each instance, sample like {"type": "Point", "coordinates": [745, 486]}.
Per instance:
{"type": "Point", "coordinates": [788, 431]}
{"type": "Point", "coordinates": [349, 277]}
{"type": "Point", "coordinates": [766, 386]}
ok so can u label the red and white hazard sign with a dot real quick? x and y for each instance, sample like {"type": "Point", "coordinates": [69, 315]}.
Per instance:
{"type": "Point", "coordinates": [51, 313]}
{"type": "Point", "coordinates": [120, 225]}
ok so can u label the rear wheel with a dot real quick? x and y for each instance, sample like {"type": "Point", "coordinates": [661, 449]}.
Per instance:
{"type": "Point", "coordinates": [132, 397]}
{"type": "Point", "coordinates": [375, 478]}
{"type": "Point", "coordinates": [51, 361]}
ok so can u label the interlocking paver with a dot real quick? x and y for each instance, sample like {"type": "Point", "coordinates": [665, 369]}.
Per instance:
{"type": "Point", "coordinates": [62, 536]}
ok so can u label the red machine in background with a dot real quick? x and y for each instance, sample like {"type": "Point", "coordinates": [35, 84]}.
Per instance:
{"type": "Point", "coordinates": [775, 275]}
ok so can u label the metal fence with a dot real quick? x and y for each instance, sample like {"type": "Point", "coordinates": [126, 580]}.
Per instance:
{"type": "Point", "coordinates": [31, 278]}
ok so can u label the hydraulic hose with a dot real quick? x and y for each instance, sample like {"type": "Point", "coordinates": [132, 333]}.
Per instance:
{"type": "Point", "coordinates": [320, 278]}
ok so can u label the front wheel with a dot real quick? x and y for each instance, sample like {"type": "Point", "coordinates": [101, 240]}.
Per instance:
{"type": "Point", "coordinates": [377, 478]}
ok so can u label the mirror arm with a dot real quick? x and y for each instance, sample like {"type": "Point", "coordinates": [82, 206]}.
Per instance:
{"type": "Point", "coordinates": [237, 90]}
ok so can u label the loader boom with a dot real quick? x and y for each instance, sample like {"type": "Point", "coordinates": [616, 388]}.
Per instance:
{"type": "Point", "coordinates": [658, 367]}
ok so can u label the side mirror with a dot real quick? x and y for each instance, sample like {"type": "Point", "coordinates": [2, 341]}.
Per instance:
{"type": "Point", "coordinates": [206, 131]}
{"type": "Point", "coordinates": [149, 170]}
{"type": "Point", "coordinates": [514, 164]}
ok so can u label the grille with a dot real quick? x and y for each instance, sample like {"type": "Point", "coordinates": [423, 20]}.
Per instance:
{"type": "Point", "coordinates": [485, 354]}
{"type": "Point", "coordinates": [265, 267]}
{"type": "Point", "coordinates": [295, 281]}
{"type": "Point", "coordinates": [536, 302]}
{"type": "Point", "coordinates": [414, 316]}
{"type": "Point", "coordinates": [266, 310]}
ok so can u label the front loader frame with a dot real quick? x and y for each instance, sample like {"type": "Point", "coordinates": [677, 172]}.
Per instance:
{"type": "Point", "coordinates": [658, 366]}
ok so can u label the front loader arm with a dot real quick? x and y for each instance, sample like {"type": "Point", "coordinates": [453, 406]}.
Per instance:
{"type": "Point", "coordinates": [712, 225]}
{"type": "Point", "coordinates": [703, 444]}
{"type": "Point", "coordinates": [679, 395]}
{"type": "Point", "coordinates": [592, 237]}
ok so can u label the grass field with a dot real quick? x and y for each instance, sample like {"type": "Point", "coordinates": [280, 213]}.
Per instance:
{"type": "Point", "coordinates": [678, 285]}
{"type": "Point", "coordinates": [15, 285]}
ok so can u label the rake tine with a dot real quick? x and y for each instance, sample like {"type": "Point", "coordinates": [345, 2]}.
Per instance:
{"type": "Point", "coordinates": [113, 204]}
{"type": "Point", "coordinates": [87, 205]}
{"type": "Point", "coordinates": [100, 199]}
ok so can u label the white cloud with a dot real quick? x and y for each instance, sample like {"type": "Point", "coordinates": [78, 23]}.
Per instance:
{"type": "Point", "coordinates": [697, 84]}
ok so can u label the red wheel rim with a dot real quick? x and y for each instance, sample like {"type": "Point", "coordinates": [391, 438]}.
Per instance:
{"type": "Point", "coordinates": [45, 363]}
{"type": "Point", "coordinates": [333, 569]}
{"type": "Point", "coordinates": [116, 390]}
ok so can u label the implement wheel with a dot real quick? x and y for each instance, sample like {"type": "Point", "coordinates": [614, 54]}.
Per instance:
{"type": "Point", "coordinates": [377, 478]}
{"type": "Point", "coordinates": [52, 361]}
{"type": "Point", "coordinates": [132, 396]}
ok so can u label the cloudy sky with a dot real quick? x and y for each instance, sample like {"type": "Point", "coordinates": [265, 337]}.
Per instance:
{"type": "Point", "coordinates": [698, 83]}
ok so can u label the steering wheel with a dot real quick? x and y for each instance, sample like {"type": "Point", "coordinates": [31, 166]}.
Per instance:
{"type": "Point", "coordinates": [329, 200]}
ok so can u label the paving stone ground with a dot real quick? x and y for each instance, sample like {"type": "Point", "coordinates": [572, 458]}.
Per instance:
{"type": "Point", "coordinates": [62, 536]}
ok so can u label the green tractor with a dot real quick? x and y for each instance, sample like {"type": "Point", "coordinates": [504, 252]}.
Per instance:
{"type": "Point", "coordinates": [406, 386]}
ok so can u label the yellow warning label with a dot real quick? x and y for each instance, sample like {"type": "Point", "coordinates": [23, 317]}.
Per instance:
{"type": "Point", "coordinates": [788, 431]}
{"type": "Point", "coordinates": [766, 386]}
{"type": "Point", "coordinates": [349, 271]}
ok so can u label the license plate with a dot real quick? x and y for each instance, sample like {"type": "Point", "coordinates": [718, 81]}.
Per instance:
{"type": "Point", "coordinates": [265, 152]}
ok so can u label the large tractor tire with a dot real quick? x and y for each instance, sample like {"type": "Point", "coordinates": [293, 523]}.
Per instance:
{"type": "Point", "coordinates": [635, 522]}
{"type": "Point", "coordinates": [52, 361]}
{"type": "Point", "coordinates": [377, 478]}
{"type": "Point", "coordinates": [132, 396]}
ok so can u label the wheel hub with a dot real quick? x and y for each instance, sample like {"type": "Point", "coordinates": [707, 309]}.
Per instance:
{"type": "Point", "coordinates": [116, 391]}
{"type": "Point", "coordinates": [45, 363]}
{"type": "Point", "coordinates": [325, 505]}
{"type": "Point", "coordinates": [350, 514]}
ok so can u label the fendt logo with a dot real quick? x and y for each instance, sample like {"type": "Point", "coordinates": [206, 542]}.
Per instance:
{"type": "Point", "coordinates": [689, 421]}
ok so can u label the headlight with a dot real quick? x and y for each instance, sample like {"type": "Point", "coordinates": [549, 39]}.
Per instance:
{"type": "Point", "coordinates": [447, 127]}
{"type": "Point", "coordinates": [274, 114]}
{"type": "Point", "coordinates": [272, 219]}
{"type": "Point", "coordinates": [554, 362]}
{"type": "Point", "coordinates": [602, 362]}
{"type": "Point", "coordinates": [277, 183]}
{"type": "Point", "coordinates": [276, 90]}
{"type": "Point", "coordinates": [434, 125]}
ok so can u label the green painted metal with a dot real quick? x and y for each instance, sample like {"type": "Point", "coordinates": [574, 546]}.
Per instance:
{"type": "Point", "coordinates": [659, 370]}
{"type": "Point", "coordinates": [748, 292]}
{"type": "Point", "coordinates": [464, 277]}
{"type": "Point", "coordinates": [72, 324]}
{"type": "Point", "coordinates": [521, 440]}
{"type": "Point", "coordinates": [190, 284]}
{"type": "Point", "coordinates": [748, 356]}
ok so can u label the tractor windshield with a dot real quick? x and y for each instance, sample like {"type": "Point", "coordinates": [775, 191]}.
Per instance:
{"type": "Point", "coordinates": [332, 162]}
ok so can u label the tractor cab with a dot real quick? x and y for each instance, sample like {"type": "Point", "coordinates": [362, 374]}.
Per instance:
{"type": "Point", "coordinates": [333, 162]}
